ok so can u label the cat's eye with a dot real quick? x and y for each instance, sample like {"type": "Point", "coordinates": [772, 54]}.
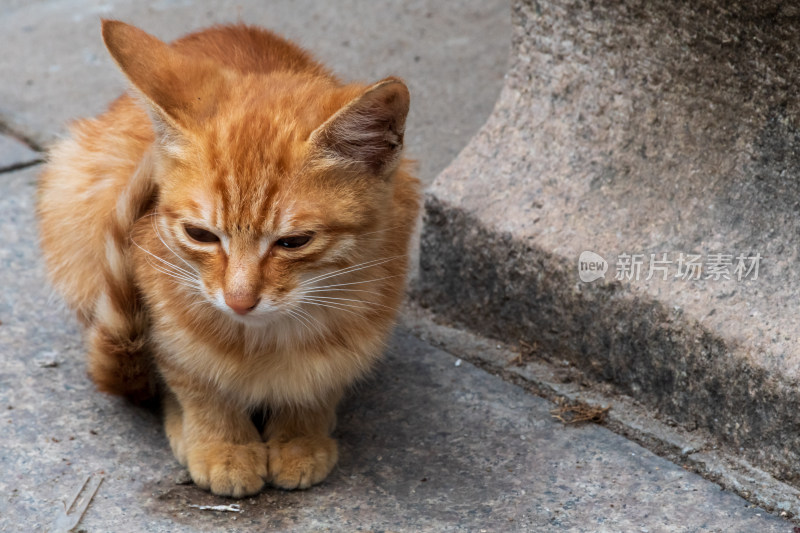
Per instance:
{"type": "Point", "coordinates": [295, 241]}
{"type": "Point", "coordinates": [200, 234]}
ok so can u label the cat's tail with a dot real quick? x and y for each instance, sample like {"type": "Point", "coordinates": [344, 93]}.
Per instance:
{"type": "Point", "coordinates": [119, 360]}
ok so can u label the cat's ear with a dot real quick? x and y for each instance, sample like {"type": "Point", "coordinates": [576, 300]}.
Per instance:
{"type": "Point", "coordinates": [180, 90]}
{"type": "Point", "coordinates": [368, 131]}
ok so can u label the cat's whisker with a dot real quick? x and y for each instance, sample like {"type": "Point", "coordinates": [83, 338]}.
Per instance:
{"type": "Point", "coordinates": [341, 305]}
{"type": "Point", "coordinates": [353, 268]}
{"type": "Point", "coordinates": [199, 302]}
{"type": "Point", "coordinates": [315, 323]}
{"type": "Point", "coordinates": [337, 272]}
{"type": "Point", "coordinates": [320, 300]}
{"type": "Point", "coordinates": [167, 263]}
{"type": "Point", "coordinates": [294, 315]}
{"type": "Point", "coordinates": [170, 273]}
{"type": "Point", "coordinates": [188, 286]}
{"type": "Point", "coordinates": [315, 290]}
{"type": "Point", "coordinates": [158, 234]}
{"type": "Point", "coordinates": [381, 230]}
{"type": "Point", "coordinates": [300, 319]}
{"type": "Point", "coordinates": [172, 269]}
{"type": "Point", "coordinates": [186, 279]}
{"type": "Point", "coordinates": [318, 325]}
{"type": "Point", "coordinates": [357, 282]}
{"type": "Point", "coordinates": [328, 298]}
{"type": "Point", "coordinates": [331, 306]}
{"type": "Point", "coordinates": [180, 281]}
{"type": "Point", "coordinates": [312, 320]}
{"type": "Point", "coordinates": [196, 304]}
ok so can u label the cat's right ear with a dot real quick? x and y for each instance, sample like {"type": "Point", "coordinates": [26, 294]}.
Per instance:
{"type": "Point", "coordinates": [179, 90]}
{"type": "Point", "coordinates": [367, 133]}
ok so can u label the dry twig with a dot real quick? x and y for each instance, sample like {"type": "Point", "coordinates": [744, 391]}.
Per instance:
{"type": "Point", "coordinates": [578, 412]}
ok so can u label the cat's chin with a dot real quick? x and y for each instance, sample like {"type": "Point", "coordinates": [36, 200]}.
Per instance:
{"type": "Point", "coordinates": [255, 319]}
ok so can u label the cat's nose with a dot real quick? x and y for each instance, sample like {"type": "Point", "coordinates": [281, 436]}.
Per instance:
{"type": "Point", "coordinates": [242, 305]}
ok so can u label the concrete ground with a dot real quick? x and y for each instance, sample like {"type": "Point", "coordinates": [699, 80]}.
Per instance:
{"type": "Point", "coordinates": [453, 59]}
{"type": "Point", "coordinates": [429, 443]}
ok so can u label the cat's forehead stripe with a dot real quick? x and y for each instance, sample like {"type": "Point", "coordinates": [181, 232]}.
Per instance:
{"type": "Point", "coordinates": [285, 218]}
{"type": "Point", "coordinates": [204, 208]}
{"type": "Point", "coordinates": [257, 207]}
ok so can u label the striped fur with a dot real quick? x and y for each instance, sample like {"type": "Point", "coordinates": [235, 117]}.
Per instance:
{"type": "Point", "coordinates": [117, 336]}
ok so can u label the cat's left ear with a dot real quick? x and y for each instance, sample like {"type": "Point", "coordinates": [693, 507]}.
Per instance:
{"type": "Point", "coordinates": [179, 90]}
{"type": "Point", "coordinates": [367, 132]}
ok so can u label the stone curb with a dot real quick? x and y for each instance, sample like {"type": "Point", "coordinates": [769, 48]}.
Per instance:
{"type": "Point", "coordinates": [504, 225]}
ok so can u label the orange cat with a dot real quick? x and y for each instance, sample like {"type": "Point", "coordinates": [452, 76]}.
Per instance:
{"type": "Point", "coordinates": [234, 235]}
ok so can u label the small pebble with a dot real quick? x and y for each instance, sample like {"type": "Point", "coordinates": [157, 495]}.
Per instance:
{"type": "Point", "coordinates": [45, 362]}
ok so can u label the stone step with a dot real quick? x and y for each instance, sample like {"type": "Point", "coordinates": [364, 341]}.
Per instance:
{"type": "Point", "coordinates": [662, 136]}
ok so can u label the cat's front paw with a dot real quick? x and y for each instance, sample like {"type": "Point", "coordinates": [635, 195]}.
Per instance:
{"type": "Point", "coordinates": [301, 462]}
{"type": "Point", "coordinates": [229, 469]}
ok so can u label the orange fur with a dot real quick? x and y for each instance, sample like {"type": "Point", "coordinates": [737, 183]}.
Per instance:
{"type": "Point", "coordinates": [237, 229]}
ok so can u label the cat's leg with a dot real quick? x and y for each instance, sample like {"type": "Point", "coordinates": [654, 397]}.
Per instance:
{"type": "Point", "coordinates": [216, 441]}
{"type": "Point", "coordinates": [173, 425]}
{"type": "Point", "coordinates": [301, 450]}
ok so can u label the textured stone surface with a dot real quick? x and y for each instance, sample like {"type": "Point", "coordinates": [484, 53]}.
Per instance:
{"type": "Point", "coordinates": [428, 444]}
{"type": "Point", "coordinates": [57, 69]}
{"type": "Point", "coordinates": [631, 129]}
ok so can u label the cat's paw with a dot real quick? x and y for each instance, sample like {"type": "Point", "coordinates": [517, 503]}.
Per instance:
{"type": "Point", "coordinates": [229, 469]}
{"type": "Point", "coordinates": [301, 462]}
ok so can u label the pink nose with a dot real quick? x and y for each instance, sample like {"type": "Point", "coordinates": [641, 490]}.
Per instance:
{"type": "Point", "coordinates": [242, 305]}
